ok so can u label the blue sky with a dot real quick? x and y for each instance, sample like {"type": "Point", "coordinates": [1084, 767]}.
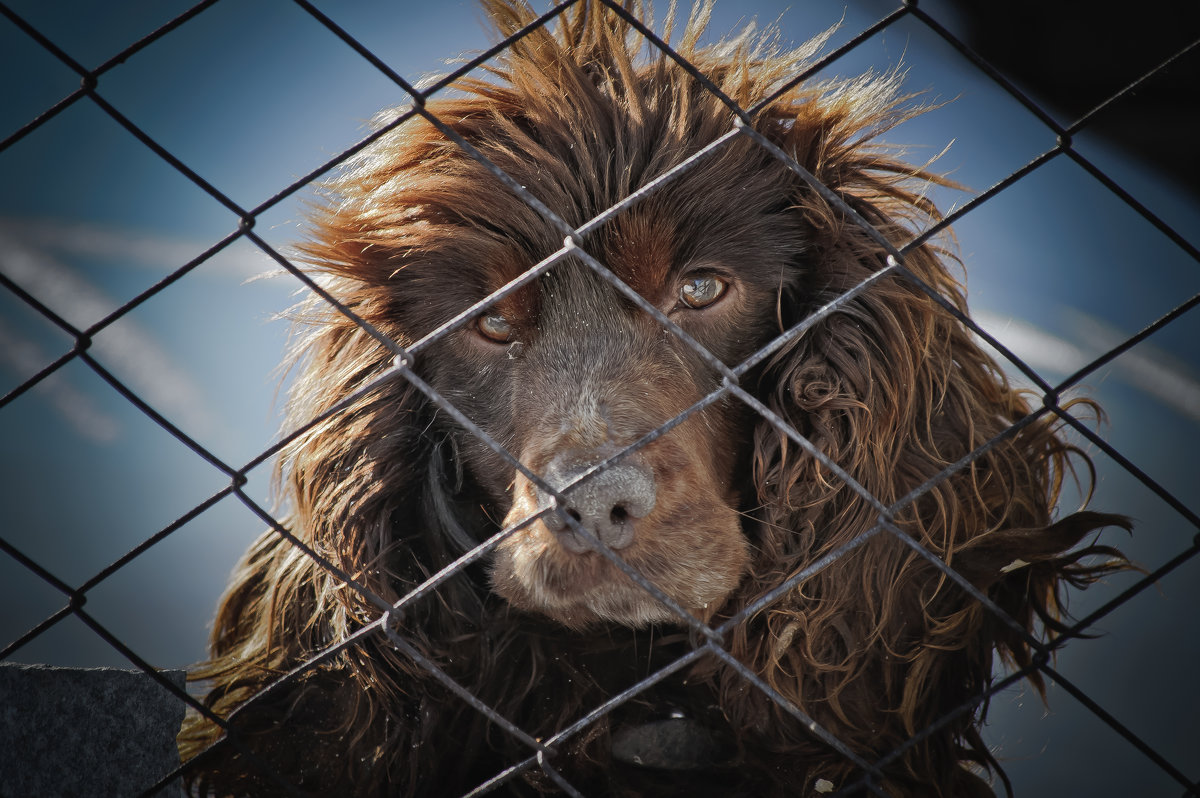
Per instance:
{"type": "Point", "coordinates": [252, 95]}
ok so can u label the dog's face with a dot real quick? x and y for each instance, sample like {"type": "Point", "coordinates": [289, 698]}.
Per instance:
{"type": "Point", "coordinates": [597, 374]}
{"type": "Point", "coordinates": [568, 371]}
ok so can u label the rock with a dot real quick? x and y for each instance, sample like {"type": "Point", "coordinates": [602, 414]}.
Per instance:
{"type": "Point", "coordinates": [84, 732]}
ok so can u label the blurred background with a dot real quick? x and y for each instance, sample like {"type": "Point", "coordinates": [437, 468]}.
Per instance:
{"type": "Point", "coordinates": [253, 95]}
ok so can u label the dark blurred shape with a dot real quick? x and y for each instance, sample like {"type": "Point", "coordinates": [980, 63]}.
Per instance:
{"type": "Point", "coordinates": [1072, 55]}
{"type": "Point", "coordinates": [86, 732]}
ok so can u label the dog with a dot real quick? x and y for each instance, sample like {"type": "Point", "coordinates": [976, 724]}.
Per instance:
{"type": "Point", "coordinates": [719, 453]}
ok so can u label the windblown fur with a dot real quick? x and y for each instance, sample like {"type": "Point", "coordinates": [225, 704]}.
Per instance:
{"type": "Point", "coordinates": [874, 647]}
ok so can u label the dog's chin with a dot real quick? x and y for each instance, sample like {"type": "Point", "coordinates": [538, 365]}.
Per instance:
{"type": "Point", "coordinates": [625, 605]}
{"type": "Point", "coordinates": [535, 573]}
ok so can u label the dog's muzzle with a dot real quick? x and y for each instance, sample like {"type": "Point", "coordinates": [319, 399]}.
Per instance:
{"type": "Point", "coordinates": [607, 504]}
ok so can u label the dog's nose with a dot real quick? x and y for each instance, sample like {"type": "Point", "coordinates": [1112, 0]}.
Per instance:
{"type": "Point", "coordinates": [607, 504]}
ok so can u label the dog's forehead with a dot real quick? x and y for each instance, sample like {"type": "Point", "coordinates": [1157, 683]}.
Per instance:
{"type": "Point", "coordinates": [649, 251]}
{"type": "Point", "coordinates": [642, 250]}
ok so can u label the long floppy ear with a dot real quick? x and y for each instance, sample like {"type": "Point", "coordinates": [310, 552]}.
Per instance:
{"type": "Point", "coordinates": [893, 388]}
{"type": "Point", "coordinates": [363, 497]}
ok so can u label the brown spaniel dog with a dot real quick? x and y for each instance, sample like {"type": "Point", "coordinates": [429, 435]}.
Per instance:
{"type": "Point", "coordinates": [714, 493]}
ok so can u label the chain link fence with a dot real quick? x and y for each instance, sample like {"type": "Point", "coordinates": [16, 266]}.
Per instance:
{"type": "Point", "coordinates": [707, 641]}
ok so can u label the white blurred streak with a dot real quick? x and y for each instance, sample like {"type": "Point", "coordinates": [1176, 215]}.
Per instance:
{"type": "Point", "coordinates": [124, 347]}
{"type": "Point", "coordinates": [137, 249]}
{"type": "Point", "coordinates": [26, 358]}
{"type": "Point", "coordinates": [1144, 366]}
{"type": "Point", "coordinates": [1039, 349]}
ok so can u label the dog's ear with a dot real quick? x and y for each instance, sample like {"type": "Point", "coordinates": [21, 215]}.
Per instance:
{"type": "Point", "coordinates": [897, 391]}
{"type": "Point", "coordinates": [890, 389]}
{"type": "Point", "coordinates": [992, 557]}
{"type": "Point", "coordinates": [372, 505]}
{"type": "Point", "coordinates": [376, 487]}
{"type": "Point", "coordinates": [893, 388]}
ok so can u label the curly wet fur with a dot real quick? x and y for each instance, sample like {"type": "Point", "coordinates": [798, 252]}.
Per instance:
{"type": "Point", "coordinates": [875, 646]}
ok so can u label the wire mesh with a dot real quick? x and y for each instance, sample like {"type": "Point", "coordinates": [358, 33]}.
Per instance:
{"type": "Point", "coordinates": [709, 640]}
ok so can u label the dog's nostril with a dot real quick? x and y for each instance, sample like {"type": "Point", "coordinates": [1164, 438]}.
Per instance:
{"type": "Point", "coordinates": [607, 505]}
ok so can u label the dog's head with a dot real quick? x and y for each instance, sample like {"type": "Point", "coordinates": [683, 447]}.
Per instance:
{"type": "Point", "coordinates": [572, 367]}
{"type": "Point", "coordinates": [722, 375]}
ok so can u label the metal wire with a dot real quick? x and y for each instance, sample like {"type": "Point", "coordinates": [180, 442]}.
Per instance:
{"type": "Point", "coordinates": [709, 640]}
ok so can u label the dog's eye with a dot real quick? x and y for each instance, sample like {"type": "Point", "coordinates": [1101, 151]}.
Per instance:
{"type": "Point", "coordinates": [700, 292]}
{"type": "Point", "coordinates": [495, 327]}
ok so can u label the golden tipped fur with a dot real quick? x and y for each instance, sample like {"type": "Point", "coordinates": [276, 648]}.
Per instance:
{"type": "Point", "coordinates": [875, 647]}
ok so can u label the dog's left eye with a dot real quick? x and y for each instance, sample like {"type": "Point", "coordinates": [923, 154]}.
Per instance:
{"type": "Point", "coordinates": [700, 292]}
{"type": "Point", "coordinates": [495, 327]}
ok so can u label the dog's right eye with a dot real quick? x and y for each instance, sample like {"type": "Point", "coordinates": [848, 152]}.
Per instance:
{"type": "Point", "coordinates": [700, 292]}
{"type": "Point", "coordinates": [494, 327]}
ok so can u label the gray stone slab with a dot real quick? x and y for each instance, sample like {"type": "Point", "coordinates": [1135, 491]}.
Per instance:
{"type": "Point", "coordinates": [86, 732]}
